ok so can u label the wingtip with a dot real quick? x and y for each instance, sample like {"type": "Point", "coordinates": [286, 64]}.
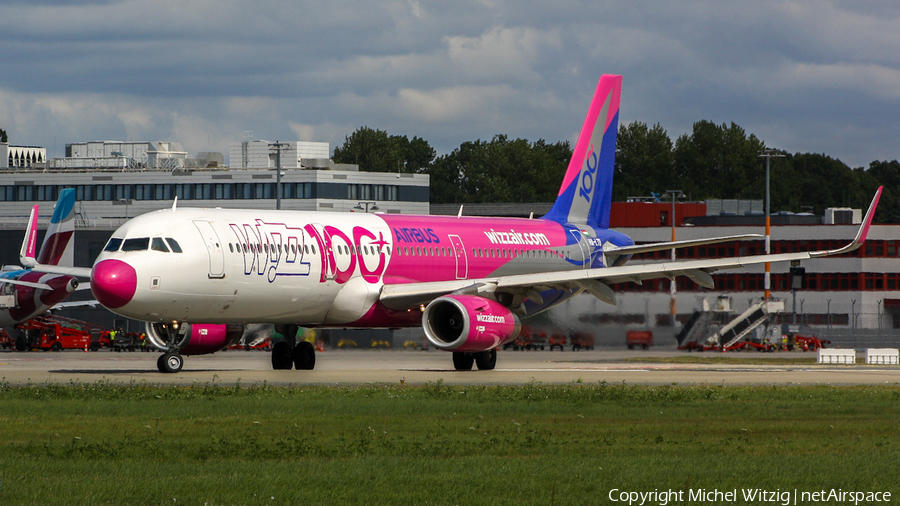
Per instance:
{"type": "Point", "coordinates": [860, 235]}
{"type": "Point", "coordinates": [870, 215]}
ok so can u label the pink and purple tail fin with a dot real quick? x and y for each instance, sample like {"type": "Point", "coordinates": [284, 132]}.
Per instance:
{"type": "Point", "coordinates": [586, 192]}
{"type": "Point", "coordinates": [59, 243]}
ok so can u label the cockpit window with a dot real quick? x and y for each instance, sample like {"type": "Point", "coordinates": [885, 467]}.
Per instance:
{"type": "Point", "coordinates": [173, 244]}
{"type": "Point", "coordinates": [136, 244]}
{"type": "Point", "coordinates": [159, 245]}
{"type": "Point", "coordinates": [113, 244]}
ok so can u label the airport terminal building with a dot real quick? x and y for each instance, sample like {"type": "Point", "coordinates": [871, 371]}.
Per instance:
{"type": "Point", "coordinates": [123, 187]}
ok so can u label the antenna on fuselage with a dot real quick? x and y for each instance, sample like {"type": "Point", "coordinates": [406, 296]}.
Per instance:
{"type": "Point", "coordinates": [459, 214]}
{"type": "Point", "coordinates": [175, 203]}
{"type": "Point", "coordinates": [531, 216]}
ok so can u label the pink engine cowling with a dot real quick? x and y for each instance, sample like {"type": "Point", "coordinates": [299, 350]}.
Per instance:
{"type": "Point", "coordinates": [208, 338]}
{"type": "Point", "coordinates": [469, 323]}
{"type": "Point", "coordinates": [193, 338]}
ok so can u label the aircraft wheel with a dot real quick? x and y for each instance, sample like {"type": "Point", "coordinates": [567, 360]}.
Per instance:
{"type": "Point", "coordinates": [170, 362]}
{"type": "Point", "coordinates": [281, 356]}
{"type": "Point", "coordinates": [463, 361]}
{"type": "Point", "coordinates": [304, 356]}
{"type": "Point", "coordinates": [22, 344]}
{"type": "Point", "coordinates": [486, 360]}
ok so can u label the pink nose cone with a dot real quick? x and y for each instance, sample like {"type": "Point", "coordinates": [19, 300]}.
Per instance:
{"type": "Point", "coordinates": [113, 283]}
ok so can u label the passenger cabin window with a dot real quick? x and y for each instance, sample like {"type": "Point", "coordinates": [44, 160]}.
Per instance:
{"type": "Point", "coordinates": [136, 244]}
{"type": "Point", "coordinates": [113, 244]}
{"type": "Point", "coordinates": [173, 245]}
{"type": "Point", "coordinates": [159, 245]}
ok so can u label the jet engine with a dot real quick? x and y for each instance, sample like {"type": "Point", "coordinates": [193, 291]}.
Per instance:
{"type": "Point", "coordinates": [62, 287]}
{"type": "Point", "coordinates": [192, 338]}
{"type": "Point", "coordinates": [468, 323]}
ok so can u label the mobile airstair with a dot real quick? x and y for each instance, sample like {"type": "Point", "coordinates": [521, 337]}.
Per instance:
{"type": "Point", "coordinates": [710, 328]}
{"type": "Point", "coordinates": [747, 322]}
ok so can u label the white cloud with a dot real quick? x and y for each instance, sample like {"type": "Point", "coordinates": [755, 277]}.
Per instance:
{"type": "Point", "coordinates": [804, 74]}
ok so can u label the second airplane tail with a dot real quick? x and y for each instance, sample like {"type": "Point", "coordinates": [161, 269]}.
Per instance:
{"type": "Point", "coordinates": [59, 243]}
{"type": "Point", "coordinates": [585, 196]}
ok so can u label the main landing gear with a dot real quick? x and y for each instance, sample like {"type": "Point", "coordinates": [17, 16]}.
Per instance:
{"type": "Point", "coordinates": [289, 354]}
{"type": "Point", "coordinates": [485, 360]}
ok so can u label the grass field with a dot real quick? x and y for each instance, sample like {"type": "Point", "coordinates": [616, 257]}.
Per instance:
{"type": "Point", "coordinates": [437, 444]}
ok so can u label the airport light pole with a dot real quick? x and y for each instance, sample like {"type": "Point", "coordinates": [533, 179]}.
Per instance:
{"type": "Point", "coordinates": [278, 147]}
{"type": "Point", "coordinates": [768, 153]}
{"type": "Point", "coordinates": [675, 194]}
{"type": "Point", "coordinates": [126, 203]}
{"type": "Point", "coordinates": [359, 206]}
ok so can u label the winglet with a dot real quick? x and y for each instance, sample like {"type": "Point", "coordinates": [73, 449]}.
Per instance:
{"type": "Point", "coordinates": [861, 234]}
{"type": "Point", "coordinates": [29, 244]}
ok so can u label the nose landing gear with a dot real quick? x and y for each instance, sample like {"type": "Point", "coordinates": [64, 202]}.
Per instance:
{"type": "Point", "coordinates": [170, 362]}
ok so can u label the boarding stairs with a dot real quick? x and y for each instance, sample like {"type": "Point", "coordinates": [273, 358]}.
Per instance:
{"type": "Point", "coordinates": [695, 330]}
{"type": "Point", "coordinates": [749, 320]}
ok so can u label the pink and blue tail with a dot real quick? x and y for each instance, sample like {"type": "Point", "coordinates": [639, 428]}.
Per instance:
{"type": "Point", "coordinates": [586, 192]}
{"type": "Point", "coordinates": [59, 243]}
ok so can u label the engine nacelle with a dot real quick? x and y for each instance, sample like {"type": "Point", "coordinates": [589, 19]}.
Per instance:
{"type": "Point", "coordinates": [193, 338]}
{"type": "Point", "coordinates": [469, 323]}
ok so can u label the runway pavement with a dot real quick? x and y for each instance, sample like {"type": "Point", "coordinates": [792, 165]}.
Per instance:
{"type": "Point", "coordinates": [420, 367]}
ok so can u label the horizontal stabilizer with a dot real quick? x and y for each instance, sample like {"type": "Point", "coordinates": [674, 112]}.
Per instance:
{"type": "Point", "coordinates": [39, 286]}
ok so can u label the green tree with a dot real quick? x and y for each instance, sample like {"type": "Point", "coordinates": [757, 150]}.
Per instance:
{"type": "Point", "coordinates": [887, 174]}
{"type": "Point", "coordinates": [417, 155]}
{"type": "Point", "coordinates": [502, 170]}
{"type": "Point", "coordinates": [643, 161]}
{"type": "Point", "coordinates": [3, 137]}
{"type": "Point", "coordinates": [719, 161]}
{"type": "Point", "coordinates": [376, 151]}
{"type": "Point", "coordinates": [447, 180]}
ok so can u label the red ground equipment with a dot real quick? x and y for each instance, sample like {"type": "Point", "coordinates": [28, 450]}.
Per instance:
{"type": "Point", "coordinates": [581, 341]}
{"type": "Point", "coordinates": [557, 340]}
{"type": "Point", "coordinates": [58, 333]}
{"type": "Point", "coordinates": [639, 338]}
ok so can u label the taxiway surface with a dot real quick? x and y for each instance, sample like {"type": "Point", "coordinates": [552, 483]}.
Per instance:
{"type": "Point", "coordinates": [419, 367]}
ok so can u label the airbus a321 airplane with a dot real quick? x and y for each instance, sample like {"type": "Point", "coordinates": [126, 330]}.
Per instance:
{"type": "Point", "coordinates": [27, 292]}
{"type": "Point", "coordinates": [467, 281]}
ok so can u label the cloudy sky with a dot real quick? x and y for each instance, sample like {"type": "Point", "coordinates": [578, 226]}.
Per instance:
{"type": "Point", "coordinates": [804, 76]}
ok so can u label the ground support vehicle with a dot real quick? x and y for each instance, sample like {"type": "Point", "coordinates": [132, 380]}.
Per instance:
{"type": "Point", "coordinates": [58, 333]}
{"type": "Point", "coordinates": [810, 342]}
{"type": "Point", "coordinates": [581, 341]}
{"type": "Point", "coordinates": [639, 338]}
{"type": "Point", "coordinates": [557, 340]}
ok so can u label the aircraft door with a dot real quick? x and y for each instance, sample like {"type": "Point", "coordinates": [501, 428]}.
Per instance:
{"type": "Point", "coordinates": [459, 252]}
{"type": "Point", "coordinates": [213, 248]}
{"type": "Point", "coordinates": [585, 248]}
{"type": "Point", "coordinates": [323, 239]}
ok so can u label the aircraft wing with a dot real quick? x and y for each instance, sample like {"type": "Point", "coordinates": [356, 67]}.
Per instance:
{"type": "Point", "coordinates": [658, 246]}
{"type": "Point", "coordinates": [81, 272]}
{"type": "Point", "coordinates": [76, 303]}
{"type": "Point", "coordinates": [596, 281]}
